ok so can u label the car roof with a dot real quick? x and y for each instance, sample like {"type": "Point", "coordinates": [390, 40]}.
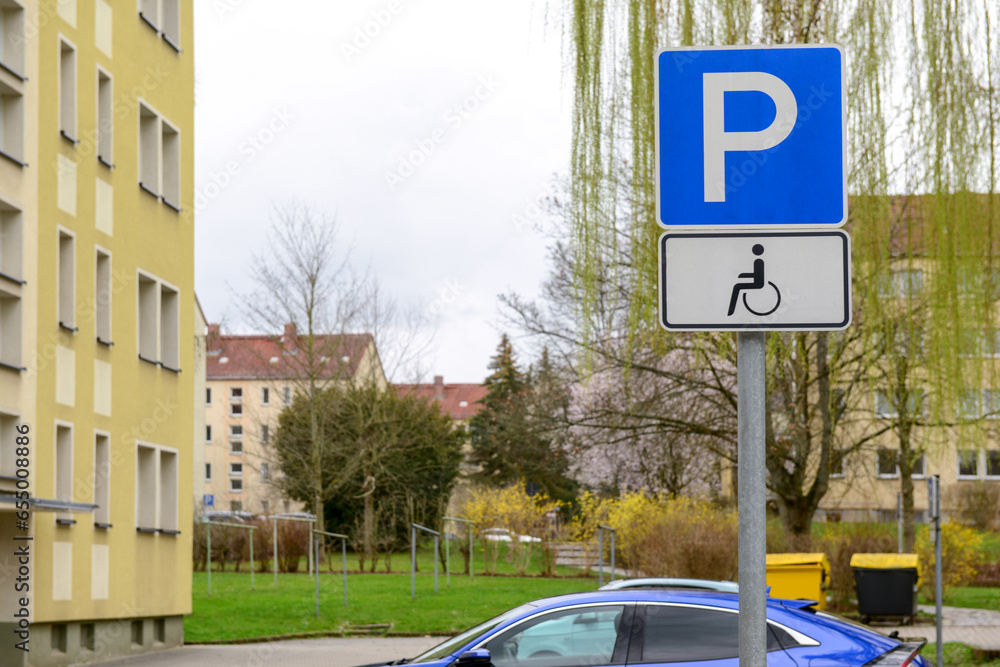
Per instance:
{"type": "Point", "coordinates": [674, 595]}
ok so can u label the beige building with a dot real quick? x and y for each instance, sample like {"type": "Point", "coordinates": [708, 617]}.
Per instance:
{"type": "Point", "coordinates": [249, 380]}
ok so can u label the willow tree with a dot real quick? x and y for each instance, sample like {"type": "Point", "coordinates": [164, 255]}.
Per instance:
{"type": "Point", "coordinates": [922, 129]}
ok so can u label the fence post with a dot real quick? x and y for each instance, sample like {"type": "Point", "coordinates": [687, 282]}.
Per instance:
{"type": "Point", "coordinates": [472, 551]}
{"type": "Point", "coordinates": [316, 542]}
{"type": "Point", "coordinates": [208, 534]}
{"type": "Point", "coordinates": [447, 558]}
{"type": "Point", "coordinates": [413, 562]}
{"type": "Point", "coordinates": [612, 555]}
{"type": "Point", "coordinates": [251, 560]}
{"type": "Point", "coordinates": [600, 556]}
{"type": "Point", "coordinates": [435, 563]}
{"type": "Point", "coordinates": [274, 549]}
{"type": "Point", "coordinates": [343, 553]}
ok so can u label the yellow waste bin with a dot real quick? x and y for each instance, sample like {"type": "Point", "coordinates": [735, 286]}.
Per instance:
{"type": "Point", "coordinates": [799, 576]}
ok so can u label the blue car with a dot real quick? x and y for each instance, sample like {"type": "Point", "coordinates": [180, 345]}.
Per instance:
{"type": "Point", "coordinates": [664, 627]}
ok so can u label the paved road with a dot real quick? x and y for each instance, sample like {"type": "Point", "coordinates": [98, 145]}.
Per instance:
{"type": "Point", "coordinates": [329, 652]}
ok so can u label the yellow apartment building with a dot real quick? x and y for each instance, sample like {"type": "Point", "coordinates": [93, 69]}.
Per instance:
{"type": "Point", "coordinates": [249, 380]}
{"type": "Point", "coordinates": [96, 326]}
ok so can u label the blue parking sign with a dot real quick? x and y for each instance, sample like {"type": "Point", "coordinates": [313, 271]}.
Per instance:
{"type": "Point", "coordinates": [207, 499]}
{"type": "Point", "coordinates": [751, 136]}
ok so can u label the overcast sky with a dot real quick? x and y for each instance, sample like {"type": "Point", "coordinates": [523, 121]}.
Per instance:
{"type": "Point", "coordinates": [425, 134]}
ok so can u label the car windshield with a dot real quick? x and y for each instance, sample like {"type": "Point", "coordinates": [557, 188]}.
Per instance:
{"type": "Point", "coordinates": [455, 643]}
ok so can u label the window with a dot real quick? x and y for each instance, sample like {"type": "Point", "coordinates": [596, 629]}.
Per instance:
{"type": "Point", "coordinates": [159, 157]}
{"type": "Point", "coordinates": [10, 330]}
{"type": "Point", "coordinates": [993, 463]}
{"type": "Point", "coordinates": [265, 471]}
{"type": "Point", "coordinates": [236, 401]}
{"type": "Point", "coordinates": [105, 118]}
{"type": "Point", "coordinates": [171, 146]}
{"type": "Point", "coordinates": [235, 446]}
{"type": "Point", "coordinates": [685, 634]}
{"type": "Point", "coordinates": [58, 637]}
{"type": "Point", "coordinates": [917, 465]}
{"type": "Point", "coordinates": [208, 395]}
{"type": "Point", "coordinates": [159, 322]}
{"type": "Point", "coordinates": [235, 485]}
{"type": "Point", "coordinates": [236, 431]}
{"type": "Point", "coordinates": [156, 489]}
{"type": "Point", "coordinates": [208, 433]}
{"type": "Point", "coordinates": [67, 90]}
{"type": "Point", "coordinates": [12, 37]}
{"type": "Point", "coordinates": [236, 393]}
{"type": "Point", "coordinates": [148, 315]}
{"type": "Point", "coordinates": [887, 462]}
{"type": "Point", "coordinates": [11, 242]}
{"type": "Point", "coordinates": [8, 444]}
{"type": "Point", "coordinates": [265, 396]}
{"type": "Point", "coordinates": [64, 467]}
{"type": "Point", "coordinates": [12, 123]}
{"type": "Point", "coordinates": [588, 637]}
{"type": "Point", "coordinates": [208, 472]}
{"type": "Point", "coordinates": [159, 630]}
{"type": "Point", "coordinates": [146, 488]}
{"type": "Point", "coordinates": [149, 150]}
{"type": "Point", "coordinates": [265, 433]}
{"type": "Point", "coordinates": [137, 633]}
{"type": "Point", "coordinates": [88, 638]}
{"type": "Point", "coordinates": [286, 396]}
{"type": "Point", "coordinates": [968, 463]}
{"type": "Point", "coordinates": [235, 469]}
{"type": "Point", "coordinates": [170, 331]}
{"type": "Point", "coordinates": [102, 479]}
{"type": "Point", "coordinates": [163, 16]}
{"type": "Point", "coordinates": [837, 457]}
{"type": "Point", "coordinates": [236, 505]}
{"type": "Point", "coordinates": [902, 283]}
{"type": "Point", "coordinates": [885, 403]}
{"type": "Point", "coordinates": [265, 506]}
{"type": "Point", "coordinates": [67, 280]}
{"type": "Point", "coordinates": [102, 297]}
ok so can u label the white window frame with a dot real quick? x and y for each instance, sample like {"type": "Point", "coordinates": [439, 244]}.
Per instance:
{"type": "Point", "coordinates": [158, 328]}
{"type": "Point", "coordinates": [208, 395]}
{"type": "Point", "coordinates": [66, 281]}
{"type": "Point", "coordinates": [102, 479]}
{"type": "Point", "coordinates": [235, 431]}
{"type": "Point", "coordinates": [12, 123]}
{"type": "Point", "coordinates": [986, 466]}
{"type": "Point", "coordinates": [13, 39]}
{"type": "Point", "coordinates": [102, 311]}
{"type": "Point", "coordinates": [208, 471]}
{"type": "Point", "coordinates": [208, 433]}
{"type": "Point", "coordinates": [265, 472]}
{"type": "Point", "coordinates": [170, 327]}
{"type": "Point", "coordinates": [161, 496]}
{"type": "Point", "coordinates": [286, 395]}
{"type": "Point", "coordinates": [64, 467]}
{"type": "Point", "coordinates": [68, 109]}
{"type": "Point", "coordinates": [233, 483]}
{"type": "Point", "coordinates": [958, 465]}
{"type": "Point", "coordinates": [265, 396]}
{"type": "Point", "coordinates": [166, 188]}
{"type": "Point", "coordinates": [105, 119]}
{"type": "Point", "coordinates": [235, 469]}
{"type": "Point", "coordinates": [8, 442]}
{"type": "Point", "coordinates": [164, 17]}
{"type": "Point", "coordinates": [238, 443]}
{"type": "Point", "coordinates": [878, 473]}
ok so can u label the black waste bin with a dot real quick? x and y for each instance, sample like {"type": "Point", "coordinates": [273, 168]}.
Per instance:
{"type": "Point", "coordinates": [886, 584]}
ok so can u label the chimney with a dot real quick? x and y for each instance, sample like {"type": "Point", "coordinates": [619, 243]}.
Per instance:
{"type": "Point", "coordinates": [290, 338]}
{"type": "Point", "coordinates": [213, 341]}
{"type": "Point", "coordinates": [438, 387]}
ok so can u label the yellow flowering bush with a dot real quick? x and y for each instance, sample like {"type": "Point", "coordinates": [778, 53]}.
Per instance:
{"type": "Point", "coordinates": [513, 510]}
{"type": "Point", "coordinates": [961, 556]}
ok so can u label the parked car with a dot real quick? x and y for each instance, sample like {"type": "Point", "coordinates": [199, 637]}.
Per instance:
{"type": "Point", "coordinates": [673, 582]}
{"type": "Point", "coordinates": [505, 535]}
{"type": "Point", "coordinates": [664, 627]}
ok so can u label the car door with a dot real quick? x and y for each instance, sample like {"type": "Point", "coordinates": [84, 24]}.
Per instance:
{"type": "Point", "coordinates": [686, 634]}
{"type": "Point", "coordinates": [591, 635]}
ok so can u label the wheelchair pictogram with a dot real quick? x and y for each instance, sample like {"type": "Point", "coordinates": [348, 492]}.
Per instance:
{"type": "Point", "coordinates": [757, 282]}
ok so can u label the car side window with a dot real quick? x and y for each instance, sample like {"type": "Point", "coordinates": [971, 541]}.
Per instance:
{"type": "Point", "coordinates": [683, 634]}
{"type": "Point", "coordinates": [582, 637]}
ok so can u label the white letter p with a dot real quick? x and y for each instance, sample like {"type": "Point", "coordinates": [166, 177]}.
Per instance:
{"type": "Point", "coordinates": [718, 141]}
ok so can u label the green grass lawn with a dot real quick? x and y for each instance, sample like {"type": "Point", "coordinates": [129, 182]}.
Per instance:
{"type": "Point", "coordinates": [236, 612]}
{"type": "Point", "coordinates": [957, 655]}
{"type": "Point", "coordinates": [974, 597]}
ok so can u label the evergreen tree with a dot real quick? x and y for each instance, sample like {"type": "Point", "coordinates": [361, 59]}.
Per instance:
{"type": "Point", "coordinates": [512, 435]}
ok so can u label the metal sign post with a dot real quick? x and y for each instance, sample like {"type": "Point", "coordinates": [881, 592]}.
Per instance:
{"type": "Point", "coordinates": [600, 552]}
{"type": "Point", "coordinates": [934, 513]}
{"type": "Point", "coordinates": [750, 368]}
{"type": "Point", "coordinates": [785, 170]}
{"type": "Point", "coordinates": [899, 520]}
